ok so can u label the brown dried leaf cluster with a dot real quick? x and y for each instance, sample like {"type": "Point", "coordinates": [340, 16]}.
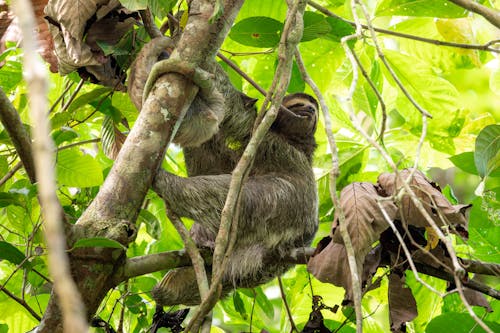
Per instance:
{"type": "Point", "coordinates": [76, 31]}
{"type": "Point", "coordinates": [366, 209]}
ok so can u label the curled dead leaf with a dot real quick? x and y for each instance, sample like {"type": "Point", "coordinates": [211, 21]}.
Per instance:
{"type": "Point", "coordinates": [76, 30]}
{"type": "Point", "coordinates": [429, 194]}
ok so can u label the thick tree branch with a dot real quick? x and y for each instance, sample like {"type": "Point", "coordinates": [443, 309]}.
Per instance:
{"type": "Point", "coordinates": [141, 265]}
{"type": "Point", "coordinates": [124, 189]}
{"type": "Point", "coordinates": [489, 14]}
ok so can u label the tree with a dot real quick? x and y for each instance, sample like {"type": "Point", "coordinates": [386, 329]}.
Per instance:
{"type": "Point", "coordinates": [406, 83]}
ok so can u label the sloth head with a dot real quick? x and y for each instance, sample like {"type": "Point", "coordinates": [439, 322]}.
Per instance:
{"type": "Point", "coordinates": [297, 123]}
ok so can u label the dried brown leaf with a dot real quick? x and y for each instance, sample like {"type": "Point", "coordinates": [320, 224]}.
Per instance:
{"type": "Point", "coordinates": [330, 265]}
{"type": "Point", "coordinates": [434, 202]}
{"type": "Point", "coordinates": [5, 17]}
{"type": "Point", "coordinates": [402, 304]}
{"type": "Point", "coordinates": [73, 26]}
{"type": "Point", "coordinates": [476, 298]}
{"type": "Point", "coordinates": [363, 217]}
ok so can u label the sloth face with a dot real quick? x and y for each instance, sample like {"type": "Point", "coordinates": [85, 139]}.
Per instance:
{"type": "Point", "coordinates": [300, 120]}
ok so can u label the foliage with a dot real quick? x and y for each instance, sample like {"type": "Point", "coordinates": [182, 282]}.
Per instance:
{"type": "Point", "coordinates": [459, 87]}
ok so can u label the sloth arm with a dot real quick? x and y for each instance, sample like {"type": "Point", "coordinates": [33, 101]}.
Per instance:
{"type": "Point", "coordinates": [202, 198]}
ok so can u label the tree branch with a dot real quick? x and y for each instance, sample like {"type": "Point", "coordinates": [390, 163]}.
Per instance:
{"type": "Point", "coordinates": [18, 134]}
{"type": "Point", "coordinates": [22, 302]}
{"type": "Point", "coordinates": [489, 14]}
{"type": "Point", "coordinates": [146, 264]}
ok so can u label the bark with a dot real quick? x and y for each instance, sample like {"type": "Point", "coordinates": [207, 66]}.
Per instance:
{"type": "Point", "coordinates": [114, 211]}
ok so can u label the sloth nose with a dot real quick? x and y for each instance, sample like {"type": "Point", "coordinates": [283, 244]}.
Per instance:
{"type": "Point", "coordinates": [311, 109]}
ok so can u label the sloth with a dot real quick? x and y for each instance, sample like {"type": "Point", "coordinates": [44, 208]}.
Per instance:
{"type": "Point", "coordinates": [278, 209]}
{"type": "Point", "coordinates": [279, 204]}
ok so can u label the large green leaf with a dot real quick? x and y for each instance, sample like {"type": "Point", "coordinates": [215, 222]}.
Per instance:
{"type": "Point", "coordinates": [135, 4]}
{"type": "Point", "coordinates": [431, 8]}
{"type": "Point", "coordinates": [435, 94]}
{"type": "Point", "coordinates": [465, 161]}
{"type": "Point", "coordinates": [87, 98]}
{"type": "Point", "coordinates": [10, 253]}
{"type": "Point", "coordinates": [77, 170]}
{"type": "Point", "coordinates": [258, 31]}
{"type": "Point", "coordinates": [339, 29]}
{"type": "Point", "coordinates": [487, 154]}
{"type": "Point", "coordinates": [315, 26]}
{"type": "Point", "coordinates": [10, 75]}
{"type": "Point", "coordinates": [7, 199]}
{"type": "Point", "coordinates": [458, 323]}
{"type": "Point", "coordinates": [484, 237]}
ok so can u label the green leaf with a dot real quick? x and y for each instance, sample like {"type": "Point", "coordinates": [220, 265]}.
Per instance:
{"type": "Point", "coordinates": [7, 199]}
{"type": "Point", "coordinates": [264, 303]}
{"type": "Point", "coordinates": [4, 166]}
{"type": "Point", "coordinates": [239, 305]}
{"type": "Point", "coordinates": [77, 170]}
{"type": "Point", "coordinates": [296, 83]}
{"type": "Point", "coordinates": [257, 31]}
{"type": "Point", "coordinates": [10, 75]}
{"type": "Point", "coordinates": [450, 195]}
{"type": "Point", "coordinates": [65, 134]}
{"type": "Point", "coordinates": [87, 98]}
{"type": "Point", "coordinates": [4, 328]}
{"type": "Point", "coordinates": [431, 8]}
{"type": "Point", "coordinates": [435, 94]}
{"type": "Point", "coordinates": [134, 5]}
{"type": "Point", "coordinates": [465, 162]}
{"type": "Point", "coordinates": [458, 323]}
{"type": "Point", "coordinates": [484, 237]}
{"type": "Point", "coordinates": [98, 242]}
{"type": "Point", "coordinates": [487, 154]}
{"type": "Point", "coordinates": [153, 225]}
{"type": "Point", "coordinates": [10, 253]}
{"type": "Point", "coordinates": [135, 304]}
{"type": "Point", "coordinates": [315, 26]}
{"type": "Point", "coordinates": [339, 29]}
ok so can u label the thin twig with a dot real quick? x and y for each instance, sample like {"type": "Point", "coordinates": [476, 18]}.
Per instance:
{"type": "Point", "coordinates": [69, 298]}
{"type": "Point", "coordinates": [22, 302]}
{"type": "Point", "coordinates": [241, 73]}
{"type": "Point", "coordinates": [196, 258]}
{"type": "Point", "coordinates": [61, 96]}
{"type": "Point", "coordinates": [334, 173]}
{"type": "Point", "coordinates": [11, 173]}
{"type": "Point", "coordinates": [285, 303]}
{"type": "Point", "coordinates": [73, 96]}
{"type": "Point", "coordinates": [379, 97]}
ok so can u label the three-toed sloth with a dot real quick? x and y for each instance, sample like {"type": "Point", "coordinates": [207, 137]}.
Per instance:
{"type": "Point", "coordinates": [278, 210]}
